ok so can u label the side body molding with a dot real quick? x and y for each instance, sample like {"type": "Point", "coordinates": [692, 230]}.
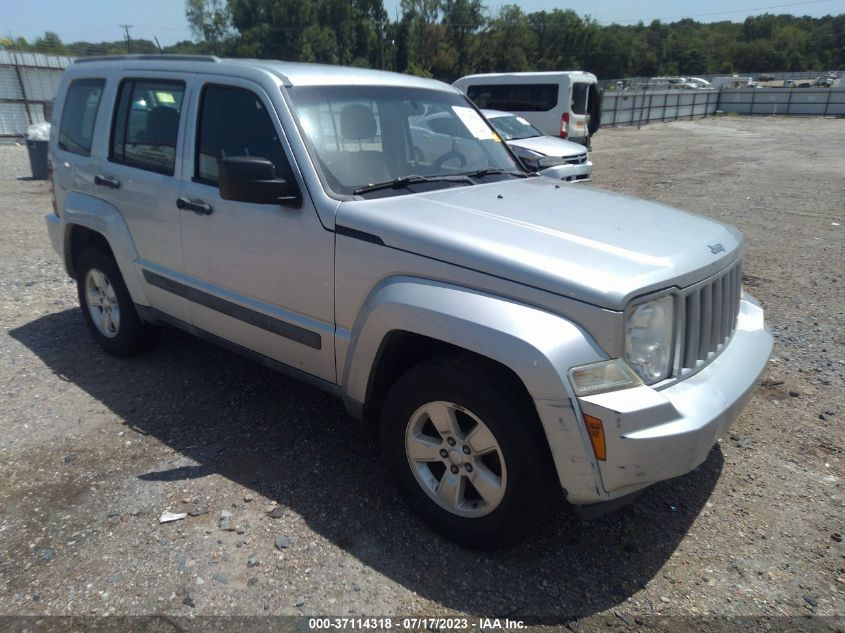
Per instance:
{"type": "Point", "coordinates": [83, 210]}
{"type": "Point", "coordinates": [540, 348]}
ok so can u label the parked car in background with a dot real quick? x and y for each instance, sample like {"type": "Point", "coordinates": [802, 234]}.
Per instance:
{"type": "Point", "coordinates": [439, 141]}
{"type": "Point", "coordinates": [732, 82]}
{"type": "Point", "coordinates": [550, 156]}
{"type": "Point", "coordinates": [565, 104]}
{"type": "Point", "coordinates": [698, 82]}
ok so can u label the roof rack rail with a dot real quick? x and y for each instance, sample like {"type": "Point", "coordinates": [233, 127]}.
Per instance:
{"type": "Point", "coordinates": [149, 58]}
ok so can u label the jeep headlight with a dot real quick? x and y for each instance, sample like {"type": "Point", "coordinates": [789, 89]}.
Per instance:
{"type": "Point", "coordinates": [648, 338]}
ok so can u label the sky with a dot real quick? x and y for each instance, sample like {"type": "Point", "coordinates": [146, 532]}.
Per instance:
{"type": "Point", "coordinates": [100, 20]}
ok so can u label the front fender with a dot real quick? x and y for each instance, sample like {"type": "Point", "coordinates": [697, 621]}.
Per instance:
{"type": "Point", "coordinates": [93, 213]}
{"type": "Point", "coordinates": [538, 346]}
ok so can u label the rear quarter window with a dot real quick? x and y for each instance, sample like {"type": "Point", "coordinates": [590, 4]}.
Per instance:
{"type": "Point", "coordinates": [79, 114]}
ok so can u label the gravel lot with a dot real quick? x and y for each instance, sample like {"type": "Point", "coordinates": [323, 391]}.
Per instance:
{"type": "Point", "coordinates": [94, 449]}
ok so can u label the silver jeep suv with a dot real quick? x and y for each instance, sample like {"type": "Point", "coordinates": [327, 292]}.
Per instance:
{"type": "Point", "coordinates": [512, 337]}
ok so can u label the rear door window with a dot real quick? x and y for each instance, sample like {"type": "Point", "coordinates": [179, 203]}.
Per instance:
{"type": "Point", "coordinates": [146, 124]}
{"type": "Point", "coordinates": [515, 97]}
{"type": "Point", "coordinates": [79, 114]}
{"type": "Point", "coordinates": [579, 98]}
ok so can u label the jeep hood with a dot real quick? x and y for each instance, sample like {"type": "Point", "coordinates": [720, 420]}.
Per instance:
{"type": "Point", "coordinates": [591, 245]}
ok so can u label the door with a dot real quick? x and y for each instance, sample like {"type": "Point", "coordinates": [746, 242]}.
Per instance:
{"type": "Point", "coordinates": [579, 96]}
{"type": "Point", "coordinates": [141, 177]}
{"type": "Point", "coordinates": [593, 110]}
{"type": "Point", "coordinates": [259, 275]}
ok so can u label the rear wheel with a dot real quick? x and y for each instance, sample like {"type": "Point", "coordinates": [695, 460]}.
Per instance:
{"type": "Point", "coordinates": [464, 449]}
{"type": "Point", "coordinates": [107, 308]}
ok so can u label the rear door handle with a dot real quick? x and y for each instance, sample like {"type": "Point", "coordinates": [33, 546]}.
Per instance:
{"type": "Point", "coordinates": [197, 206]}
{"type": "Point", "coordinates": [107, 181]}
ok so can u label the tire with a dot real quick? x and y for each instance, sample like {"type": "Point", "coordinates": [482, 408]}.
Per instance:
{"type": "Point", "coordinates": [478, 402]}
{"type": "Point", "coordinates": [107, 308]}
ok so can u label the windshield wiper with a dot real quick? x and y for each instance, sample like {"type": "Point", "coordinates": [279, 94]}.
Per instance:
{"type": "Point", "coordinates": [399, 183]}
{"type": "Point", "coordinates": [492, 171]}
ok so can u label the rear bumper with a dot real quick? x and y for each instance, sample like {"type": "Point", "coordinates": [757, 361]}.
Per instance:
{"type": "Point", "coordinates": [653, 435]}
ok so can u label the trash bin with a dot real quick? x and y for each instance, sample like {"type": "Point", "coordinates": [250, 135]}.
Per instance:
{"type": "Point", "coordinates": [38, 158]}
{"type": "Point", "coordinates": [37, 139]}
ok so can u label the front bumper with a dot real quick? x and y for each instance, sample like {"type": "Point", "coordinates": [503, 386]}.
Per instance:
{"type": "Point", "coordinates": [570, 173]}
{"type": "Point", "coordinates": [653, 435]}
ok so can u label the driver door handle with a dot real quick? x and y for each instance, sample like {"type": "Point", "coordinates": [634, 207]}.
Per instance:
{"type": "Point", "coordinates": [197, 206]}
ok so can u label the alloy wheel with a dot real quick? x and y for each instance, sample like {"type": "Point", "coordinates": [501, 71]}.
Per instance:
{"type": "Point", "coordinates": [456, 459]}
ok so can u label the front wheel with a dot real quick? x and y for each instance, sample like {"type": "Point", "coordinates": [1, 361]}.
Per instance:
{"type": "Point", "coordinates": [465, 452]}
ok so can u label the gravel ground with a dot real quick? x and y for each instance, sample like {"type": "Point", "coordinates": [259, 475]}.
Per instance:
{"type": "Point", "coordinates": [294, 513]}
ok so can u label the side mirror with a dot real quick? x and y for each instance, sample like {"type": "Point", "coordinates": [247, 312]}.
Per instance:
{"type": "Point", "coordinates": [254, 179]}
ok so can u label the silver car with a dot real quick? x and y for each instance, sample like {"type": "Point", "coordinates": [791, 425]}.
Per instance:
{"type": "Point", "coordinates": [551, 156]}
{"type": "Point", "coordinates": [513, 340]}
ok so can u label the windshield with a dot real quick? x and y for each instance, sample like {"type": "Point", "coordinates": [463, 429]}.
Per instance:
{"type": "Point", "coordinates": [513, 127]}
{"type": "Point", "coordinates": [360, 136]}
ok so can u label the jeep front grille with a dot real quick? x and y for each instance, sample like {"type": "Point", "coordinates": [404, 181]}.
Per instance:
{"type": "Point", "coordinates": [710, 310]}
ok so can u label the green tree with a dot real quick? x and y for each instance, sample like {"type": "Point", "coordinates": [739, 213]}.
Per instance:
{"type": "Point", "coordinates": [421, 36]}
{"type": "Point", "coordinates": [272, 29]}
{"type": "Point", "coordinates": [320, 44]}
{"type": "Point", "coordinates": [611, 52]}
{"type": "Point", "coordinates": [448, 38]}
{"type": "Point", "coordinates": [756, 56]}
{"type": "Point", "coordinates": [50, 42]}
{"type": "Point", "coordinates": [210, 21]}
{"type": "Point", "coordinates": [561, 39]}
{"type": "Point", "coordinates": [463, 20]}
{"type": "Point", "coordinates": [509, 43]}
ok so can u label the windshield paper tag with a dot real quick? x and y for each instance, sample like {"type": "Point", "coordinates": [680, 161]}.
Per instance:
{"type": "Point", "coordinates": [474, 123]}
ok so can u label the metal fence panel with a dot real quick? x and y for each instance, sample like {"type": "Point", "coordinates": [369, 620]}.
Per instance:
{"type": "Point", "coordinates": [13, 118]}
{"type": "Point", "coordinates": [40, 60]}
{"type": "Point", "coordinates": [10, 87]}
{"type": "Point", "coordinates": [40, 84]}
{"type": "Point", "coordinates": [36, 113]}
{"type": "Point", "coordinates": [791, 101]}
{"type": "Point", "coordinates": [27, 82]}
{"type": "Point", "coordinates": [629, 107]}
{"type": "Point", "coordinates": [775, 76]}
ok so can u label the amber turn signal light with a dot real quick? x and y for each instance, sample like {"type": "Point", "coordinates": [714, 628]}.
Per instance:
{"type": "Point", "coordinates": [596, 430]}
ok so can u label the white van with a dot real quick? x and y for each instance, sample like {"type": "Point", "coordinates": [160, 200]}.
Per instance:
{"type": "Point", "coordinates": [564, 104]}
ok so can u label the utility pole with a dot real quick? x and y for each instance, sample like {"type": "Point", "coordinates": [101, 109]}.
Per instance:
{"type": "Point", "coordinates": [126, 28]}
